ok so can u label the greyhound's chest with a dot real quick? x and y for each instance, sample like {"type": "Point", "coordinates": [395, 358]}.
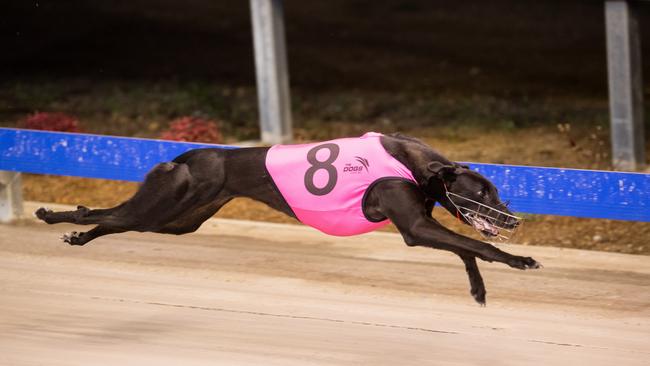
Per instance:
{"type": "Point", "coordinates": [325, 183]}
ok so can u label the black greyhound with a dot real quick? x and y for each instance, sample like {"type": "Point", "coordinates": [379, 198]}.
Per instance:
{"type": "Point", "coordinates": [177, 197]}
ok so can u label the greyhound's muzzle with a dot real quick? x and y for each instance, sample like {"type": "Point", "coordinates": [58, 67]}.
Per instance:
{"type": "Point", "coordinates": [493, 224]}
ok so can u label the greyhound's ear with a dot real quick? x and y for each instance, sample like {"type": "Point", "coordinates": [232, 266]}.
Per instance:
{"type": "Point", "coordinates": [440, 170]}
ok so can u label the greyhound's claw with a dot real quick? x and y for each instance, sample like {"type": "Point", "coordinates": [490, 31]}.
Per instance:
{"type": "Point", "coordinates": [481, 302]}
{"type": "Point", "coordinates": [66, 236]}
{"type": "Point", "coordinates": [530, 263]}
{"type": "Point", "coordinates": [479, 296]}
{"type": "Point", "coordinates": [524, 263]}
{"type": "Point", "coordinates": [70, 238]}
{"type": "Point", "coordinates": [534, 265]}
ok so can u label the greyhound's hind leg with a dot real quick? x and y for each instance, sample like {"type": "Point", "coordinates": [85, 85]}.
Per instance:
{"type": "Point", "coordinates": [183, 225]}
{"type": "Point", "coordinates": [81, 216]}
{"type": "Point", "coordinates": [163, 191]}
{"type": "Point", "coordinates": [171, 192]}
{"type": "Point", "coordinates": [195, 216]}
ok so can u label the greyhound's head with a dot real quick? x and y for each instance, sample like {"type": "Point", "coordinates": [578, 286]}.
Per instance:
{"type": "Point", "coordinates": [472, 198]}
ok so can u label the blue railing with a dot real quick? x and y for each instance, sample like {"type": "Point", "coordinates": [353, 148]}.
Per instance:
{"type": "Point", "coordinates": [85, 155]}
{"type": "Point", "coordinates": [536, 190]}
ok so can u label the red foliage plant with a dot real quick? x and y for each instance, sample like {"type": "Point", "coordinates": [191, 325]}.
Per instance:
{"type": "Point", "coordinates": [194, 129]}
{"type": "Point", "coordinates": [51, 121]}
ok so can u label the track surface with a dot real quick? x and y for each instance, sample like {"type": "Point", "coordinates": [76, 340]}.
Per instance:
{"type": "Point", "coordinates": [238, 293]}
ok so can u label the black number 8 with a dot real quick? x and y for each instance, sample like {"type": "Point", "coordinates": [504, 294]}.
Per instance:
{"type": "Point", "coordinates": [317, 165]}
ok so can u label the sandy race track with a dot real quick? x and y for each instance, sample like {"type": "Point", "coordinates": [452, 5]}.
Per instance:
{"type": "Point", "coordinates": [240, 293]}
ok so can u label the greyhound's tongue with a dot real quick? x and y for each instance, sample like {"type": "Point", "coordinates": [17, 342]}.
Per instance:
{"type": "Point", "coordinates": [481, 224]}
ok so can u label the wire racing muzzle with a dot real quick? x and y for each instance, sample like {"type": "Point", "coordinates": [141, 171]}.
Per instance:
{"type": "Point", "coordinates": [494, 225]}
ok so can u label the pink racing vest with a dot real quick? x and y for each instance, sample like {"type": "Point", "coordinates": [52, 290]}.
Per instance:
{"type": "Point", "coordinates": [324, 183]}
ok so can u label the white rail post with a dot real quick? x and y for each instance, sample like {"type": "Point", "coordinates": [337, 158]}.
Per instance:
{"type": "Point", "coordinates": [11, 196]}
{"type": "Point", "coordinates": [625, 85]}
{"type": "Point", "coordinates": [271, 71]}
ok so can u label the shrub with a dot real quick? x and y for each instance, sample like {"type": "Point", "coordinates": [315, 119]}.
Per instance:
{"type": "Point", "coordinates": [51, 121]}
{"type": "Point", "coordinates": [194, 129]}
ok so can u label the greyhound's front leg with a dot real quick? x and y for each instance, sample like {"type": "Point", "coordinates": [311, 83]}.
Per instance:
{"type": "Point", "coordinates": [405, 205]}
{"type": "Point", "coordinates": [429, 233]}
{"type": "Point", "coordinates": [477, 287]}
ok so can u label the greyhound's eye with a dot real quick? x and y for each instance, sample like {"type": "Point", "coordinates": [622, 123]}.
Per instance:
{"type": "Point", "coordinates": [482, 193]}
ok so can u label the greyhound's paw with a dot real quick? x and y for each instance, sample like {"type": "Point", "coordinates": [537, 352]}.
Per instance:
{"type": "Point", "coordinates": [535, 265]}
{"type": "Point", "coordinates": [524, 263]}
{"type": "Point", "coordinates": [72, 238]}
{"type": "Point", "coordinates": [479, 295]}
{"type": "Point", "coordinates": [42, 212]}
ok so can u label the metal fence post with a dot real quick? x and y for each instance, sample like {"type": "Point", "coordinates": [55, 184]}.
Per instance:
{"type": "Point", "coordinates": [625, 85]}
{"type": "Point", "coordinates": [271, 71]}
{"type": "Point", "coordinates": [11, 196]}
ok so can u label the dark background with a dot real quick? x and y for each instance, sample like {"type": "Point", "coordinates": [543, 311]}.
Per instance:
{"type": "Point", "coordinates": [501, 47]}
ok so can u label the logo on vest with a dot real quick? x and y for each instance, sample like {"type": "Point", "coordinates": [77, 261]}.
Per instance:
{"type": "Point", "coordinates": [349, 168]}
